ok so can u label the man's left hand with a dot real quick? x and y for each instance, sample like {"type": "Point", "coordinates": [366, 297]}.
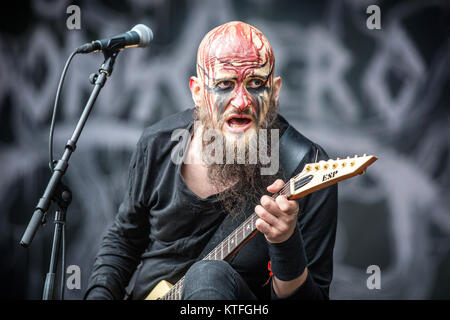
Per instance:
{"type": "Point", "coordinates": [277, 218]}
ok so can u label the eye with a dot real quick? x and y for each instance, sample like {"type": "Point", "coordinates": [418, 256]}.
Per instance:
{"type": "Point", "coordinates": [255, 83]}
{"type": "Point", "coordinates": [224, 84]}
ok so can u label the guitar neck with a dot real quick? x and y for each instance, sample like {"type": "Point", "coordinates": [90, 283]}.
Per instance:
{"type": "Point", "coordinates": [226, 249]}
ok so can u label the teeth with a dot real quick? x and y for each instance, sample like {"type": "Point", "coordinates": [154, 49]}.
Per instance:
{"type": "Point", "coordinates": [238, 122]}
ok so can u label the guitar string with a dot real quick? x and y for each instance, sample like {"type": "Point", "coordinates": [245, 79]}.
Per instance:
{"type": "Point", "coordinates": [239, 229]}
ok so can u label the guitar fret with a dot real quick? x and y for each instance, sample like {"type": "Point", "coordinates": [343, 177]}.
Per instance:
{"type": "Point", "coordinates": [230, 243]}
{"type": "Point", "coordinates": [239, 234]}
{"type": "Point", "coordinates": [217, 252]}
{"type": "Point", "coordinates": [234, 240]}
{"type": "Point", "coordinates": [180, 287]}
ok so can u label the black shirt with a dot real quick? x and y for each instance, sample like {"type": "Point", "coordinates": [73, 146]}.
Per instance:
{"type": "Point", "coordinates": [162, 224]}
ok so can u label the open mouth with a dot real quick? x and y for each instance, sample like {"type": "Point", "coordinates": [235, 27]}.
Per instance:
{"type": "Point", "coordinates": [238, 123]}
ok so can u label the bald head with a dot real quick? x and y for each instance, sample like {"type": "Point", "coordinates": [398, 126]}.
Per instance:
{"type": "Point", "coordinates": [234, 44]}
{"type": "Point", "coordinates": [235, 64]}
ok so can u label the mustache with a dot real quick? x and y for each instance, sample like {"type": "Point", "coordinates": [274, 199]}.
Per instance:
{"type": "Point", "coordinates": [246, 112]}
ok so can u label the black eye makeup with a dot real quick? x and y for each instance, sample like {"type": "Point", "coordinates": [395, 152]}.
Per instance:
{"type": "Point", "coordinates": [225, 84]}
{"type": "Point", "coordinates": [256, 83]}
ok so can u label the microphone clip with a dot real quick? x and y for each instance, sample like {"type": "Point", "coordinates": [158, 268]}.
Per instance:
{"type": "Point", "coordinates": [110, 59]}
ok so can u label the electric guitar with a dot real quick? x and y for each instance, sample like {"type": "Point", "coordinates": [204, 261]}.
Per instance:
{"type": "Point", "coordinates": [313, 177]}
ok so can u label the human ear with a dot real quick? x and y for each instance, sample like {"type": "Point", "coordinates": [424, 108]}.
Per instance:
{"type": "Point", "coordinates": [196, 90]}
{"type": "Point", "coordinates": [276, 88]}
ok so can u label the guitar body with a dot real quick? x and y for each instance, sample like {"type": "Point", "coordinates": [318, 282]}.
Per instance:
{"type": "Point", "coordinates": [159, 290]}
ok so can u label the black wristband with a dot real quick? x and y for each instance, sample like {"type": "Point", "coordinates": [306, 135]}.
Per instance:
{"type": "Point", "coordinates": [107, 281]}
{"type": "Point", "coordinates": [288, 258]}
{"type": "Point", "coordinates": [99, 293]}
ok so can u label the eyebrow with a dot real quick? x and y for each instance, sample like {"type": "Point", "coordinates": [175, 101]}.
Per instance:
{"type": "Point", "coordinates": [266, 77]}
{"type": "Point", "coordinates": [224, 79]}
{"type": "Point", "coordinates": [259, 76]}
{"type": "Point", "coordinates": [249, 76]}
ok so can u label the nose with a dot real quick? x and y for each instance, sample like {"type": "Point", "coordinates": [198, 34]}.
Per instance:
{"type": "Point", "coordinates": [240, 100]}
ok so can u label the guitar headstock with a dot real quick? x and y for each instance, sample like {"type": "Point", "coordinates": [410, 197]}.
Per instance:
{"type": "Point", "coordinates": [318, 175]}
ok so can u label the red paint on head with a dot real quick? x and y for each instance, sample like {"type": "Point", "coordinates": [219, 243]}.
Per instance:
{"type": "Point", "coordinates": [234, 48]}
{"type": "Point", "coordinates": [241, 100]}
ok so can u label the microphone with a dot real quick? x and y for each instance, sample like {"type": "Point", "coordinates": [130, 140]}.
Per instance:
{"type": "Point", "coordinates": [139, 36]}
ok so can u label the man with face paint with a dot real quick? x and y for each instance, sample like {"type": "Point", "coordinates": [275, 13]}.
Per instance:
{"type": "Point", "coordinates": [171, 210]}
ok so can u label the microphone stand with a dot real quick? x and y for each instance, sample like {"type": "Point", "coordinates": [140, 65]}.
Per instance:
{"type": "Point", "coordinates": [56, 190]}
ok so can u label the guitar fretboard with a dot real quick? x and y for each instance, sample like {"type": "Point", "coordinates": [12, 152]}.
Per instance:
{"type": "Point", "coordinates": [229, 246]}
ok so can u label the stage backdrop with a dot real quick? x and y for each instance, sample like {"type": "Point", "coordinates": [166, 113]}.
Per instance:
{"type": "Point", "coordinates": [347, 85]}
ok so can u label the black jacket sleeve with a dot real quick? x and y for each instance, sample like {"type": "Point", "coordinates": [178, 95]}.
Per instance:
{"type": "Point", "coordinates": [126, 239]}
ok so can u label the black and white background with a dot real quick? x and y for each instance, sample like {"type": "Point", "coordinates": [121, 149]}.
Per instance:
{"type": "Point", "coordinates": [351, 89]}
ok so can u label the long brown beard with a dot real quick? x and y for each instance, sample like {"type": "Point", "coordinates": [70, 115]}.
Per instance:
{"type": "Point", "coordinates": [243, 184]}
